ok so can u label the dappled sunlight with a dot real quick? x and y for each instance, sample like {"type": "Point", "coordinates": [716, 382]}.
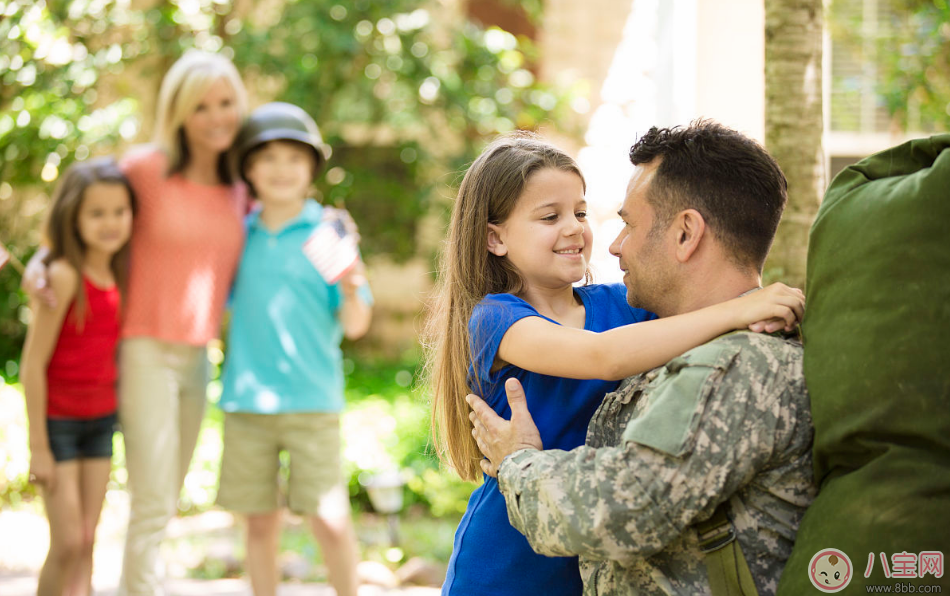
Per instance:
{"type": "Point", "coordinates": [282, 300]}
{"type": "Point", "coordinates": [14, 443]}
{"type": "Point", "coordinates": [26, 554]}
{"type": "Point", "coordinates": [364, 432]}
{"type": "Point", "coordinates": [32, 532]}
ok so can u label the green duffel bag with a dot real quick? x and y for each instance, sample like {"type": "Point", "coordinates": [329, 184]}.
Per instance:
{"type": "Point", "coordinates": [877, 364]}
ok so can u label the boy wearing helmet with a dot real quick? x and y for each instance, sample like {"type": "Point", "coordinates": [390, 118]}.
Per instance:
{"type": "Point", "coordinates": [282, 385]}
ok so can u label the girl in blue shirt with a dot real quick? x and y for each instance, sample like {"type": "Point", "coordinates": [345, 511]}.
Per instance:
{"type": "Point", "coordinates": [507, 306]}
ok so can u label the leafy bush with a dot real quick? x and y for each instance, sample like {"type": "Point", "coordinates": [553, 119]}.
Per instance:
{"type": "Point", "coordinates": [386, 426]}
{"type": "Point", "coordinates": [13, 306]}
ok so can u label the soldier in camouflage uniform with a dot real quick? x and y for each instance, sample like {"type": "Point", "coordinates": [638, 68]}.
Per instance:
{"type": "Point", "coordinates": [728, 421]}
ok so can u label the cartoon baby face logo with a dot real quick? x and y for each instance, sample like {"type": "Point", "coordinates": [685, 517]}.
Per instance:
{"type": "Point", "coordinates": [830, 570]}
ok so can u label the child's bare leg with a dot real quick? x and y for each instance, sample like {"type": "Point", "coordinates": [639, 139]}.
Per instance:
{"type": "Point", "coordinates": [338, 544]}
{"type": "Point", "coordinates": [93, 479]}
{"type": "Point", "coordinates": [63, 510]}
{"type": "Point", "coordinates": [263, 536]}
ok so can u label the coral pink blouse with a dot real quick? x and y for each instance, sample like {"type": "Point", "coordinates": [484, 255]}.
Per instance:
{"type": "Point", "coordinates": [186, 243]}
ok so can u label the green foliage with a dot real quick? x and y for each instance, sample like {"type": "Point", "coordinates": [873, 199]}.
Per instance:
{"type": "Point", "coordinates": [405, 93]}
{"type": "Point", "coordinates": [51, 113]}
{"type": "Point", "coordinates": [386, 426]}
{"type": "Point", "coordinates": [400, 97]}
{"type": "Point", "coordinates": [391, 65]}
{"type": "Point", "coordinates": [12, 329]}
{"type": "Point", "coordinates": [14, 447]}
{"type": "Point", "coordinates": [385, 190]}
{"type": "Point", "coordinates": [905, 51]}
{"type": "Point", "coordinates": [915, 63]}
{"type": "Point", "coordinates": [50, 64]}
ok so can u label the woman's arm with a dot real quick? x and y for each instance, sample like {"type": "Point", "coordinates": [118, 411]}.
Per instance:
{"type": "Point", "coordinates": [544, 347]}
{"type": "Point", "coordinates": [35, 280]}
{"type": "Point", "coordinates": [40, 342]}
{"type": "Point", "coordinates": [355, 314]}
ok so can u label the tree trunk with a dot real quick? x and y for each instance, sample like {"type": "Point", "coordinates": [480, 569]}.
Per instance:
{"type": "Point", "coordinates": [793, 125]}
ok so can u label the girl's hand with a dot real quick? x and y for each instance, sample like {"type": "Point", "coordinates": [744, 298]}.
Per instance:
{"type": "Point", "coordinates": [43, 469]}
{"type": "Point", "coordinates": [35, 281]}
{"type": "Point", "coordinates": [770, 309]}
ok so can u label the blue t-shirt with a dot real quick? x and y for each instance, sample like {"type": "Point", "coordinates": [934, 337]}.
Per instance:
{"type": "Point", "coordinates": [490, 558]}
{"type": "Point", "coordinates": [284, 338]}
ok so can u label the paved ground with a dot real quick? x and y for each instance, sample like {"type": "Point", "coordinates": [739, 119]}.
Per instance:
{"type": "Point", "coordinates": [24, 584]}
{"type": "Point", "coordinates": [24, 540]}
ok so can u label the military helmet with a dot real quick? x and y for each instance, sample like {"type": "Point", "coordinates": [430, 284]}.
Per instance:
{"type": "Point", "coordinates": [279, 121]}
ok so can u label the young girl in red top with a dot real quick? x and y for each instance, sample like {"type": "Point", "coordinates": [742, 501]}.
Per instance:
{"type": "Point", "coordinates": [69, 365]}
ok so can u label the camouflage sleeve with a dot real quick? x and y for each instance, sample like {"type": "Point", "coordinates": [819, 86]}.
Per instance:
{"type": "Point", "coordinates": [707, 424]}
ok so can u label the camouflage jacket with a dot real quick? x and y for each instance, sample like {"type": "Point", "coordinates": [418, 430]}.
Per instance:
{"type": "Point", "coordinates": [727, 420]}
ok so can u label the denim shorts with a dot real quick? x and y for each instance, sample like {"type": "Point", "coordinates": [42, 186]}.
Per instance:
{"type": "Point", "coordinates": [78, 438]}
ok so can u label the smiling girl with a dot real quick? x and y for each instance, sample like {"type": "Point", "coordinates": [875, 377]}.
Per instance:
{"type": "Point", "coordinates": [69, 369]}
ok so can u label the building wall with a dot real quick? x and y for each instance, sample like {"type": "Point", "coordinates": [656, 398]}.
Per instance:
{"type": "Point", "coordinates": [578, 40]}
{"type": "Point", "coordinates": [730, 63]}
{"type": "Point", "coordinates": [703, 57]}
{"type": "Point", "coordinates": [650, 62]}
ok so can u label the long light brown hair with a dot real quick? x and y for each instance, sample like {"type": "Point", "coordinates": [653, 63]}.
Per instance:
{"type": "Point", "coordinates": [488, 194]}
{"type": "Point", "coordinates": [62, 223]}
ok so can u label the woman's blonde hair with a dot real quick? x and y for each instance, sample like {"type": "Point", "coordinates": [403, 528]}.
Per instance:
{"type": "Point", "coordinates": [488, 194]}
{"type": "Point", "coordinates": [62, 223]}
{"type": "Point", "coordinates": [183, 88]}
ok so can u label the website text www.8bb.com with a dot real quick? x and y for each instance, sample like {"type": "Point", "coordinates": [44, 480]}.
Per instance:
{"type": "Point", "coordinates": [903, 588]}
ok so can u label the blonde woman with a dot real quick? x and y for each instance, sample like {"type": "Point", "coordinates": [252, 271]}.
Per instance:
{"type": "Point", "coordinates": [185, 249]}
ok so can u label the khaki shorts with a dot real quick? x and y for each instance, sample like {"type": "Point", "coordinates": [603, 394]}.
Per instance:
{"type": "Point", "coordinates": [251, 467]}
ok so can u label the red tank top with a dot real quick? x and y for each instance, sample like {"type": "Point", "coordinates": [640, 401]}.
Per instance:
{"type": "Point", "coordinates": [81, 376]}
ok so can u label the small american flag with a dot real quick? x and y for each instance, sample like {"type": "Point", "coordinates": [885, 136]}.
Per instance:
{"type": "Point", "coordinates": [332, 249]}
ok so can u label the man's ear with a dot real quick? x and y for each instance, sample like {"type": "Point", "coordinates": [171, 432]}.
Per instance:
{"type": "Point", "coordinates": [496, 245]}
{"type": "Point", "coordinates": [689, 228]}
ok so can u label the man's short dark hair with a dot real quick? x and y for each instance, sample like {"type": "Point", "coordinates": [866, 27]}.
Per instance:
{"type": "Point", "coordinates": [727, 177]}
